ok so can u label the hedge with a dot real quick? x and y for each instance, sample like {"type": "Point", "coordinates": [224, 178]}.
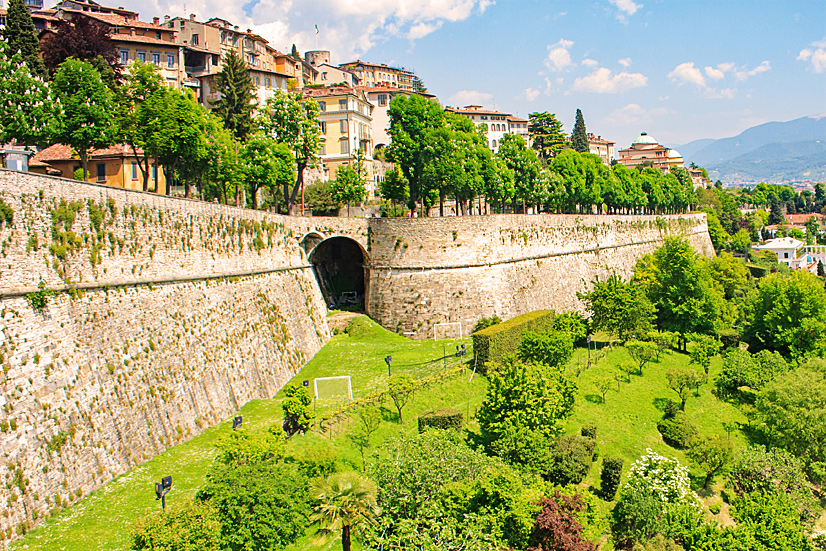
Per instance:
{"type": "Point", "coordinates": [497, 341]}
{"type": "Point", "coordinates": [444, 419]}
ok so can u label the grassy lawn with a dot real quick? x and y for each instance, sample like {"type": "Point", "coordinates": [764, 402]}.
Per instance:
{"type": "Point", "coordinates": [102, 520]}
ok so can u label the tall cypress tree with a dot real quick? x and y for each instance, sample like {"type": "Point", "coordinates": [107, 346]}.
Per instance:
{"type": "Point", "coordinates": [21, 36]}
{"type": "Point", "coordinates": [579, 138]}
{"type": "Point", "coordinates": [236, 103]}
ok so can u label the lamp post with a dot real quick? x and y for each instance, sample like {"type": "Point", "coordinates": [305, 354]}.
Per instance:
{"type": "Point", "coordinates": [460, 352]}
{"type": "Point", "coordinates": [388, 359]}
{"type": "Point", "coordinates": [162, 488]}
{"type": "Point", "coordinates": [237, 422]}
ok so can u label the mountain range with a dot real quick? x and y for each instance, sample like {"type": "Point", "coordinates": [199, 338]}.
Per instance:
{"type": "Point", "coordinates": [792, 151]}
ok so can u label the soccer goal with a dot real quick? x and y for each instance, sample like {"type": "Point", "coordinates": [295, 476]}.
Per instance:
{"type": "Point", "coordinates": [333, 387]}
{"type": "Point", "coordinates": [447, 330]}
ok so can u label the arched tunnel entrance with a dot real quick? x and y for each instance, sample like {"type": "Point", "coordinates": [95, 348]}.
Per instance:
{"type": "Point", "coordinates": [339, 266]}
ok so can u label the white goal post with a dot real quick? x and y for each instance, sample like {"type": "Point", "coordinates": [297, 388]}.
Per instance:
{"type": "Point", "coordinates": [340, 377]}
{"type": "Point", "coordinates": [447, 327]}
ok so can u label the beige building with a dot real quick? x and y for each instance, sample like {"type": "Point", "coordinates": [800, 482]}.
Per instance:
{"type": "Point", "coordinates": [380, 98]}
{"type": "Point", "coordinates": [497, 123]}
{"type": "Point", "coordinates": [372, 74]}
{"type": "Point", "coordinates": [645, 149]}
{"type": "Point", "coordinates": [603, 148]}
{"type": "Point", "coordinates": [346, 121]}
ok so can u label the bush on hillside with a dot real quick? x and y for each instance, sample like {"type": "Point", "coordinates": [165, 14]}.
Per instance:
{"type": "Point", "coordinates": [589, 431]}
{"type": "Point", "coordinates": [572, 323]}
{"type": "Point", "coordinates": [572, 457]}
{"type": "Point", "coordinates": [554, 349]}
{"type": "Point", "coordinates": [445, 419]}
{"type": "Point", "coordinates": [677, 431]}
{"type": "Point", "coordinates": [484, 323]}
{"type": "Point", "coordinates": [494, 343]}
{"type": "Point", "coordinates": [611, 476]}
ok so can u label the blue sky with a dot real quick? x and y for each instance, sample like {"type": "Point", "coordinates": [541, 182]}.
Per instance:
{"type": "Point", "coordinates": [677, 69]}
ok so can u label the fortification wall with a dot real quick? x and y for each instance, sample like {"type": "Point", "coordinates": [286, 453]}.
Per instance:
{"type": "Point", "coordinates": [459, 269]}
{"type": "Point", "coordinates": [172, 315]}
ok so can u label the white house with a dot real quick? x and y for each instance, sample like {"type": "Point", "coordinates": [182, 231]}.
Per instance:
{"type": "Point", "coordinates": [787, 250]}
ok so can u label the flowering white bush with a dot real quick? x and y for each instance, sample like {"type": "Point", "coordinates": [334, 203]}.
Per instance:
{"type": "Point", "coordinates": [664, 478]}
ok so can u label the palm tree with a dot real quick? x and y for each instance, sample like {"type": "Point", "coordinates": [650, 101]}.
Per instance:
{"type": "Point", "coordinates": [347, 501]}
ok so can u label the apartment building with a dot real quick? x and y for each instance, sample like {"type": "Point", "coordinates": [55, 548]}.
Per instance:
{"type": "Point", "coordinates": [372, 74]}
{"type": "Point", "coordinates": [497, 123]}
{"type": "Point", "coordinates": [603, 148]}
{"type": "Point", "coordinates": [346, 120]}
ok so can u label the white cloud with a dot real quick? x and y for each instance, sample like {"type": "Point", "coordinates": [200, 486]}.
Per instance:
{"type": "Point", "coordinates": [626, 8]}
{"type": "Point", "coordinates": [589, 62]}
{"type": "Point", "coordinates": [743, 74]}
{"type": "Point", "coordinates": [816, 54]}
{"type": "Point", "coordinates": [420, 30]}
{"type": "Point", "coordinates": [625, 62]}
{"type": "Point", "coordinates": [687, 73]}
{"type": "Point", "coordinates": [724, 93]}
{"type": "Point", "coordinates": [632, 115]}
{"type": "Point", "coordinates": [714, 74]}
{"type": "Point", "coordinates": [603, 81]}
{"type": "Point", "coordinates": [725, 67]}
{"type": "Point", "coordinates": [559, 57]}
{"type": "Point", "coordinates": [470, 97]}
{"type": "Point", "coordinates": [531, 94]}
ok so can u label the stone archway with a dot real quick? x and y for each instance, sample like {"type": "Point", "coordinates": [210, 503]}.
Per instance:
{"type": "Point", "coordinates": [339, 264]}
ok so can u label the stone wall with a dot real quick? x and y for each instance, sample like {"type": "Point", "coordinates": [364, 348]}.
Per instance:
{"type": "Point", "coordinates": [459, 269]}
{"type": "Point", "coordinates": [170, 315]}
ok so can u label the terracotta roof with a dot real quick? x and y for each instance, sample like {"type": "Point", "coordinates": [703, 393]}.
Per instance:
{"type": "Point", "coordinates": [466, 111]}
{"type": "Point", "coordinates": [62, 152]}
{"type": "Point", "coordinates": [383, 89]}
{"type": "Point", "coordinates": [328, 91]}
{"type": "Point", "coordinates": [803, 218]}
{"type": "Point", "coordinates": [516, 119]}
{"type": "Point", "coordinates": [120, 20]}
{"type": "Point", "coordinates": [142, 39]}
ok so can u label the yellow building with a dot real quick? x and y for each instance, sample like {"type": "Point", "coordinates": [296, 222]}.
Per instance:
{"type": "Point", "coordinates": [646, 150]}
{"type": "Point", "coordinates": [373, 74]}
{"type": "Point", "coordinates": [346, 121]}
{"type": "Point", "coordinates": [497, 123]}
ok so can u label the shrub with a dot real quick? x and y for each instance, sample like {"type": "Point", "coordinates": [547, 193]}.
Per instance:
{"type": "Point", "coordinates": [557, 526]}
{"type": "Point", "coordinates": [484, 323]}
{"type": "Point", "coordinates": [445, 419]}
{"type": "Point", "coordinates": [589, 431]}
{"type": "Point", "coordinates": [611, 475]}
{"type": "Point", "coordinates": [677, 431]}
{"type": "Point", "coordinates": [572, 323]}
{"type": "Point", "coordinates": [554, 349]}
{"type": "Point", "coordinates": [6, 214]}
{"type": "Point", "coordinates": [186, 526]}
{"type": "Point", "coordinates": [298, 410]}
{"type": "Point", "coordinates": [572, 457]}
{"type": "Point", "coordinates": [495, 342]}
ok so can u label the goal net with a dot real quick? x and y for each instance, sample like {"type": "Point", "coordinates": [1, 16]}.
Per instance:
{"type": "Point", "coordinates": [333, 388]}
{"type": "Point", "coordinates": [447, 330]}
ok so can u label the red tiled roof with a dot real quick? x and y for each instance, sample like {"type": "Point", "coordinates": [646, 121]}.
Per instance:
{"type": "Point", "coordinates": [803, 218]}
{"type": "Point", "coordinates": [328, 91]}
{"type": "Point", "coordinates": [141, 39]}
{"type": "Point", "coordinates": [476, 111]}
{"type": "Point", "coordinates": [62, 152]}
{"type": "Point", "coordinates": [120, 20]}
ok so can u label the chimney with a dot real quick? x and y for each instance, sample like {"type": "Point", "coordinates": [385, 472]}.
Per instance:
{"type": "Point", "coordinates": [156, 20]}
{"type": "Point", "coordinates": [249, 31]}
{"type": "Point", "coordinates": [192, 17]}
{"type": "Point", "coordinates": [165, 18]}
{"type": "Point", "coordinates": [236, 27]}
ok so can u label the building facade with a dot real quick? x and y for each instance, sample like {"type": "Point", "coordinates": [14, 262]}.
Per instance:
{"type": "Point", "coordinates": [603, 148]}
{"type": "Point", "coordinates": [497, 123]}
{"type": "Point", "coordinates": [373, 74]}
{"type": "Point", "coordinates": [645, 150]}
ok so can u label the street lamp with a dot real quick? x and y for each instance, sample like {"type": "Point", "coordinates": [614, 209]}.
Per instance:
{"type": "Point", "coordinates": [237, 422]}
{"type": "Point", "coordinates": [162, 488]}
{"type": "Point", "coordinates": [388, 359]}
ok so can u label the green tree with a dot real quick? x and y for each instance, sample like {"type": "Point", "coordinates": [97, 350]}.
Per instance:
{"type": "Point", "coordinates": [401, 390]}
{"type": "Point", "coordinates": [553, 349]}
{"type": "Point", "coordinates": [710, 454]}
{"type": "Point", "coordinates": [189, 526]}
{"type": "Point", "coordinates": [619, 308]}
{"type": "Point", "coordinates": [579, 137]}
{"type": "Point", "coordinates": [222, 170]}
{"type": "Point", "coordinates": [603, 385]}
{"type": "Point", "coordinates": [368, 423]}
{"type": "Point", "coordinates": [298, 411]}
{"type": "Point", "coordinates": [266, 165]}
{"type": "Point", "coordinates": [705, 348]}
{"type": "Point", "coordinates": [741, 241]}
{"type": "Point", "coordinates": [319, 197]}
{"type": "Point", "coordinates": [531, 395]}
{"type": "Point", "coordinates": [524, 163]}
{"type": "Point", "coordinates": [27, 112]}
{"type": "Point", "coordinates": [242, 447]}
{"type": "Point", "coordinates": [85, 119]}
{"type": "Point", "coordinates": [21, 36]}
{"type": "Point", "coordinates": [291, 120]}
{"type": "Point", "coordinates": [642, 352]}
{"type": "Point", "coordinates": [547, 137]}
{"type": "Point", "coordinates": [346, 503]}
{"type": "Point", "coordinates": [681, 380]}
{"type": "Point", "coordinates": [348, 187]}
{"type": "Point", "coordinates": [776, 214]}
{"type": "Point", "coordinates": [811, 230]}
{"type": "Point", "coordinates": [294, 53]}
{"type": "Point", "coordinates": [237, 102]}
{"type": "Point", "coordinates": [395, 186]}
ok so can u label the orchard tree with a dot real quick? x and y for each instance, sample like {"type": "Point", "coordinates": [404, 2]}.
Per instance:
{"type": "Point", "coordinates": [237, 102]}
{"type": "Point", "coordinates": [266, 164]}
{"type": "Point", "coordinates": [85, 120]}
{"type": "Point", "coordinates": [705, 348]}
{"type": "Point", "coordinates": [642, 352]}
{"type": "Point", "coordinates": [291, 120]}
{"type": "Point", "coordinates": [619, 308]}
{"type": "Point", "coordinates": [401, 390]}
{"type": "Point", "coordinates": [681, 380]}
{"type": "Point", "coordinates": [710, 455]}
{"type": "Point", "coordinates": [368, 423]}
{"type": "Point", "coordinates": [579, 136]}
{"type": "Point", "coordinates": [21, 36]}
{"type": "Point", "coordinates": [547, 137]}
{"type": "Point", "coordinates": [27, 112]}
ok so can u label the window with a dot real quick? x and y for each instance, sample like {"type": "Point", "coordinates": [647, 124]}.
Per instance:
{"type": "Point", "coordinates": [267, 82]}
{"type": "Point", "coordinates": [194, 40]}
{"type": "Point", "coordinates": [323, 126]}
{"type": "Point", "coordinates": [323, 149]}
{"type": "Point", "coordinates": [382, 100]}
{"type": "Point", "coordinates": [342, 126]}
{"type": "Point", "coordinates": [342, 105]}
{"type": "Point", "coordinates": [258, 81]}
{"type": "Point", "coordinates": [345, 147]}
{"type": "Point", "coordinates": [134, 171]}
{"type": "Point", "coordinates": [124, 57]}
{"type": "Point", "coordinates": [785, 255]}
{"type": "Point", "coordinates": [494, 144]}
{"type": "Point", "coordinates": [102, 172]}
{"type": "Point", "coordinates": [322, 106]}
{"type": "Point", "coordinates": [158, 35]}
{"type": "Point", "coordinates": [170, 61]}
{"type": "Point", "coordinates": [156, 58]}
{"type": "Point", "coordinates": [142, 56]}
{"type": "Point", "coordinates": [324, 75]}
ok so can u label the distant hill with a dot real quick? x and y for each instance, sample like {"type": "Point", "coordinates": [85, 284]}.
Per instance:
{"type": "Point", "coordinates": [771, 152]}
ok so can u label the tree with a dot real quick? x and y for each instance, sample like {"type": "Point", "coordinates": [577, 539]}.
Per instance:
{"type": "Point", "coordinates": [318, 197]}
{"type": "Point", "coordinates": [84, 39]}
{"type": "Point", "coordinates": [811, 230]}
{"type": "Point", "coordinates": [241, 447]}
{"type": "Point", "coordinates": [642, 352]}
{"type": "Point", "coordinates": [741, 241]}
{"type": "Point", "coordinates": [368, 423]}
{"type": "Point", "coordinates": [664, 340]}
{"type": "Point", "coordinates": [266, 165]}
{"type": "Point", "coordinates": [776, 214]}
{"type": "Point", "coordinates": [522, 160]}
{"type": "Point", "coordinates": [610, 476]}
{"type": "Point", "coordinates": [187, 526]}
{"type": "Point", "coordinates": [237, 102]}
{"type": "Point", "coordinates": [27, 112]}
{"type": "Point", "coordinates": [579, 137]}
{"type": "Point", "coordinates": [557, 527]}
{"type": "Point", "coordinates": [346, 502]}
{"type": "Point", "coordinates": [603, 385]}
{"type": "Point", "coordinates": [681, 380]}
{"type": "Point", "coordinates": [547, 137]}
{"type": "Point", "coordinates": [619, 308]}
{"type": "Point", "coordinates": [298, 413]}
{"type": "Point", "coordinates": [526, 394]}
{"type": "Point", "coordinates": [21, 36]}
{"type": "Point", "coordinates": [710, 454]}
{"type": "Point", "coordinates": [222, 171]}
{"type": "Point", "coordinates": [291, 120]}
{"type": "Point", "coordinates": [348, 187]}
{"type": "Point", "coordinates": [294, 53]}
{"type": "Point", "coordinates": [705, 348]}
{"type": "Point", "coordinates": [260, 506]}
{"type": "Point", "coordinates": [401, 390]}
{"type": "Point", "coordinates": [553, 349]}
{"type": "Point", "coordinates": [85, 119]}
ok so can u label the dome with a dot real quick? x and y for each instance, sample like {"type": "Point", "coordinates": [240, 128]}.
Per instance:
{"type": "Point", "coordinates": [645, 139]}
{"type": "Point", "coordinates": [674, 154]}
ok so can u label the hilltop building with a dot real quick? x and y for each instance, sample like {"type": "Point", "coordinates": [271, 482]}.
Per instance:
{"type": "Point", "coordinates": [603, 148]}
{"type": "Point", "coordinates": [498, 123]}
{"type": "Point", "coordinates": [372, 74]}
{"type": "Point", "coordinates": [645, 149]}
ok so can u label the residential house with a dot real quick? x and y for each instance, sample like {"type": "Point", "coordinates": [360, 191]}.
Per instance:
{"type": "Point", "coordinates": [497, 123]}
{"type": "Point", "coordinates": [645, 149]}
{"type": "Point", "coordinates": [603, 148]}
{"type": "Point", "coordinates": [346, 120]}
{"type": "Point", "coordinates": [373, 74]}
{"type": "Point", "coordinates": [116, 166]}
{"type": "Point", "coordinates": [786, 248]}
